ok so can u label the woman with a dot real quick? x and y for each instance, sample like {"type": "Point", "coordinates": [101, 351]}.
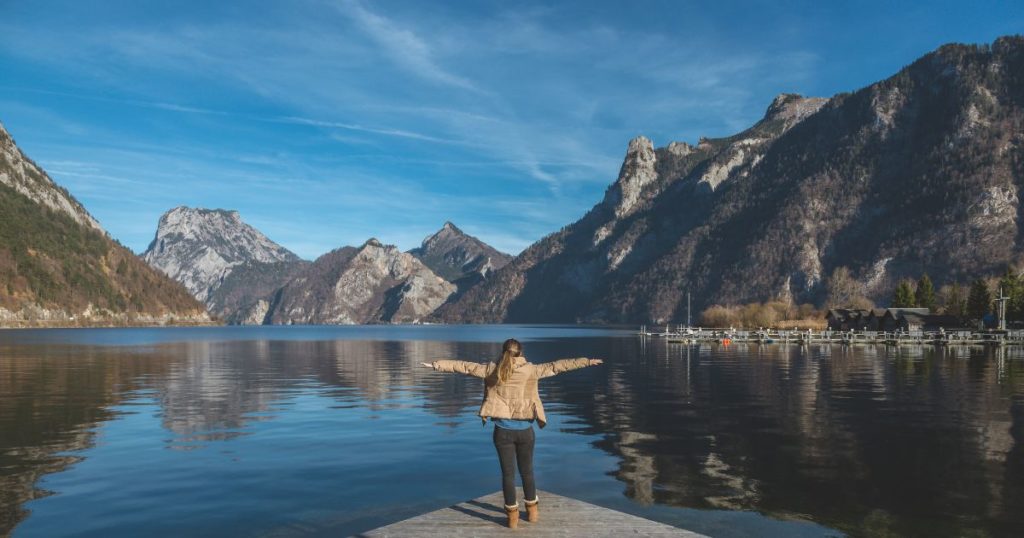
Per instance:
{"type": "Point", "coordinates": [512, 401]}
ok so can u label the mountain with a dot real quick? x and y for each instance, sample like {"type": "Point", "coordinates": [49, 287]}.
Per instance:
{"type": "Point", "coordinates": [58, 266]}
{"type": "Point", "coordinates": [25, 177]}
{"type": "Point", "coordinates": [374, 283]}
{"type": "Point", "coordinates": [224, 262]}
{"type": "Point", "coordinates": [916, 173]}
{"type": "Point", "coordinates": [459, 257]}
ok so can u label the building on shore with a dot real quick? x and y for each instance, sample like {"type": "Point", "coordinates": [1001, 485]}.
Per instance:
{"type": "Point", "coordinates": [844, 319]}
{"type": "Point", "coordinates": [889, 319]}
{"type": "Point", "coordinates": [907, 319]}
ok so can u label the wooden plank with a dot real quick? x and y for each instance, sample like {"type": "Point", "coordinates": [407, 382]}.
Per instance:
{"type": "Point", "coordinates": [559, 516]}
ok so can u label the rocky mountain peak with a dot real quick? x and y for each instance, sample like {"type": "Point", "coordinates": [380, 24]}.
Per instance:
{"type": "Point", "coordinates": [639, 144]}
{"type": "Point", "coordinates": [454, 254]}
{"type": "Point", "coordinates": [448, 232]}
{"type": "Point", "coordinates": [372, 284]}
{"type": "Point", "coordinates": [199, 247]}
{"type": "Point", "coordinates": [792, 107]}
{"type": "Point", "coordinates": [1008, 43]}
{"type": "Point", "coordinates": [680, 149]}
{"type": "Point", "coordinates": [638, 170]}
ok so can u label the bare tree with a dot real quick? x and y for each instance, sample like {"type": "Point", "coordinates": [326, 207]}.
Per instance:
{"type": "Point", "coordinates": [842, 288]}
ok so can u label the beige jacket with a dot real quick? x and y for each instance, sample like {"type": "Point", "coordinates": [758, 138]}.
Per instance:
{"type": "Point", "coordinates": [518, 397]}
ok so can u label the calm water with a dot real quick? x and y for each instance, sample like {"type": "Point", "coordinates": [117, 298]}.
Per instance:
{"type": "Point", "coordinates": [307, 431]}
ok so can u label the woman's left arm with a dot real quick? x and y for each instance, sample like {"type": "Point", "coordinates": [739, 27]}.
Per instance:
{"type": "Point", "coordinates": [549, 369]}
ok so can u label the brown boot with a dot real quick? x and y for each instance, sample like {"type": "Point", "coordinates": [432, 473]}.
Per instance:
{"type": "Point", "coordinates": [513, 516]}
{"type": "Point", "coordinates": [532, 514]}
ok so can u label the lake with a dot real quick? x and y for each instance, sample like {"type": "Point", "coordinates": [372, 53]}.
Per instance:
{"type": "Point", "coordinates": [330, 431]}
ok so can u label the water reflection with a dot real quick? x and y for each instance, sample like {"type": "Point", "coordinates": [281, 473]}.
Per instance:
{"type": "Point", "coordinates": [49, 407]}
{"type": "Point", "coordinates": [867, 440]}
{"type": "Point", "coordinates": [909, 441]}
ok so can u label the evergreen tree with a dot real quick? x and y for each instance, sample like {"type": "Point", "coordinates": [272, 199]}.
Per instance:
{"type": "Point", "coordinates": [1013, 288]}
{"type": "Point", "coordinates": [924, 295]}
{"type": "Point", "coordinates": [979, 300]}
{"type": "Point", "coordinates": [904, 296]}
{"type": "Point", "coordinates": [954, 301]}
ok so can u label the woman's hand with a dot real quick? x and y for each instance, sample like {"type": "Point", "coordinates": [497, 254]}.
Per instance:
{"type": "Point", "coordinates": [595, 362]}
{"type": "Point", "coordinates": [427, 364]}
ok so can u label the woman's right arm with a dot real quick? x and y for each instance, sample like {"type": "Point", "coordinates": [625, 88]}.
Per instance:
{"type": "Point", "coordinates": [474, 369]}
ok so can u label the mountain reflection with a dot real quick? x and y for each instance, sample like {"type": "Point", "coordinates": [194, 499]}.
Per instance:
{"type": "Point", "coordinates": [216, 388]}
{"type": "Point", "coordinates": [869, 440]}
{"type": "Point", "coordinates": [51, 399]}
{"type": "Point", "coordinates": [906, 441]}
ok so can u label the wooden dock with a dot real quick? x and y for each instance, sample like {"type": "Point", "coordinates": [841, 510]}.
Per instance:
{"type": "Point", "coordinates": [559, 516]}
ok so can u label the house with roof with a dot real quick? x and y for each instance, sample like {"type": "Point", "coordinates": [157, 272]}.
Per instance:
{"type": "Point", "coordinates": [917, 319]}
{"type": "Point", "coordinates": [844, 319]}
{"type": "Point", "coordinates": [873, 321]}
{"type": "Point", "coordinates": [907, 319]}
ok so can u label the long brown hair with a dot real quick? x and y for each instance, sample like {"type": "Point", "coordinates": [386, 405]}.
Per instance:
{"type": "Point", "coordinates": [509, 351]}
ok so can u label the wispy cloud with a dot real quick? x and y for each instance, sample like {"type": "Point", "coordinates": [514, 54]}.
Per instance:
{"type": "Point", "coordinates": [403, 46]}
{"type": "Point", "coordinates": [182, 108]}
{"type": "Point", "coordinates": [361, 128]}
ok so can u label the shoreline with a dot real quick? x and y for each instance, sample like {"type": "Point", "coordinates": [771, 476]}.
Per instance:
{"type": "Point", "coordinates": [106, 325]}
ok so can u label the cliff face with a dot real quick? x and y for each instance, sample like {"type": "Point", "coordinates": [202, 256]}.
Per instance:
{"type": "Point", "coordinates": [371, 284]}
{"type": "Point", "coordinates": [58, 266]}
{"type": "Point", "coordinates": [919, 172]}
{"type": "Point", "coordinates": [224, 262]}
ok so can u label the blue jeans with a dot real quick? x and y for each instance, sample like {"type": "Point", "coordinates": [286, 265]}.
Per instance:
{"type": "Point", "coordinates": [515, 447]}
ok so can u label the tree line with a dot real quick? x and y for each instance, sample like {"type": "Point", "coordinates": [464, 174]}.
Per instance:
{"type": "Point", "coordinates": [972, 302]}
{"type": "Point", "coordinates": [975, 302]}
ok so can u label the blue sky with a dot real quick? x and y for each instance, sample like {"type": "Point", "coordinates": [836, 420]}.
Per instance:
{"type": "Point", "coordinates": [328, 122]}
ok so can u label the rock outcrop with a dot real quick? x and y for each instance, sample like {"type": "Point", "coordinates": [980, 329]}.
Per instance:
{"type": "Point", "coordinates": [374, 283]}
{"type": "Point", "coordinates": [23, 175]}
{"type": "Point", "coordinates": [920, 172]}
{"type": "Point", "coordinates": [58, 267]}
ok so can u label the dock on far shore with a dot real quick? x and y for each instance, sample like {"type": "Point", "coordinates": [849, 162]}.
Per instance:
{"type": "Point", "coordinates": [957, 337]}
{"type": "Point", "coordinates": [559, 516]}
